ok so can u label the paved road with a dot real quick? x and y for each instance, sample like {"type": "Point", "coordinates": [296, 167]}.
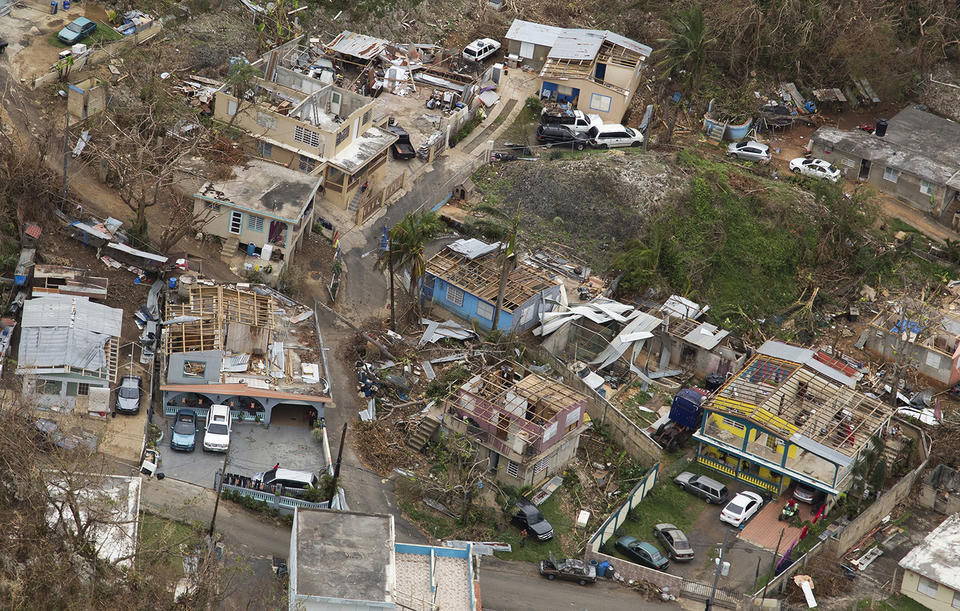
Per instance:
{"type": "Point", "coordinates": [516, 586]}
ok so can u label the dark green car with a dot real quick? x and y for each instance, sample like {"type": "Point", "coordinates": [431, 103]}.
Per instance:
{"type": "Point", "coordinates": [642, 553]}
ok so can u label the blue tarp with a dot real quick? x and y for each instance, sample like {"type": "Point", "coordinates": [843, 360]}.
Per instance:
{"type": "Point", "coordinates": [911, 326]}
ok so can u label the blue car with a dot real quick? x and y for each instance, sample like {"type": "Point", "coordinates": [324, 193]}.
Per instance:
{"type": "Point", "coordinates": [77, 30]}
{"type": "Point", "coordinates": [183, 433]}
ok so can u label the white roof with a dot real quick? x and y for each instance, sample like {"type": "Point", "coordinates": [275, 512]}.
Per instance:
{"type": "Point", "coordinates": [938, 557]}
{"type": "Point", "coordinates": [64, 330]}
{"type": "Point", "coordinates": [53, 310]}
{"type": "Point", "coordinates": [681, 307]}
{"type": "Point", "coordinates": [706, 336]}
{"type": "Point", "coordinates": [536, 33]}
{"type": "Point", "coordinates": [472, 248]}
{"type": "Point", "coordinates": [577, 44]}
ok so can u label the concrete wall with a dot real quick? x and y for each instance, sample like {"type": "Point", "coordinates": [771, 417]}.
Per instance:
{"type": "Point", "coordinates": [618, 101]}
{"type": "Point", "coordinates": [613, 522]}
{"type": "Point", "coordinates": [927, 360]}
{"type": "Point", "coordinates": [625, 431]}
{"type": "Point", "coordinates": [540, 52]}
{"type": "Point", "coordinates": [628, 570]}
{"type": "Point", "coordinates": [942, 602]}
{"type": "Point", "coordinates": [468, 310]}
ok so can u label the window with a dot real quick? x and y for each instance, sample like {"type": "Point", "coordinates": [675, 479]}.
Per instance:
{"type": "Point", "coordinates": [366, 116]}
{"type": "Point", "coordinates": [343, 135]}
{"type": "Point", "coordinates": [49, 387]}
{"type": "Point", "coordinates": [734, 424]}
{"type": "Point", "coordinates": [266, 149]}
{"type": "Point", "coordinates": [335, 98]}
{"type": "Point", "coordinates": [540, 466]}
{"type": "Point", "coordinates": [513, 469]}
{"type": "Point", "coordinates": [211, 206]}
{"type": "Point", "coordinates": [307, 164]}
{"type": "Point", "coordinates": [455, 296]}
{"type": "Point", "coordinates": [266, 120]}
{"type": "Point", "coordinates": [600, 102]}
{"type": "Point", "coordinates": [926, 187]}
{"type": "Point", "coordinates": [891, 174]}
{"type": "Point", "coordinates": [484, 310]}
{"type": "Point", "coordinates": [231, 107]}
{"type": "Point", "coordinates": [925, 586]}
{"type": "Point", "coordinates": [236, 222]}
{"type": "Point", "coordinates": [956, 600]}
{"type": "Point", "coordinates": [254, 222]}
{"type": "Point", "coordinates": [306, 136]}
{"type": "Point", "coordinates": [83, 390]}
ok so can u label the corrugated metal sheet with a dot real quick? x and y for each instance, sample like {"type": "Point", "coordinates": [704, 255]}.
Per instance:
{"type": "Point", "coordinates": [818, 449]}
{"type": "Point", "coordinates": [577, 45]}
{"type": "Point", "coordinates": [706, 336]}
{"type": "Point", "coordinates": [57, 347]}
{"type": "Point", "coordinates": [804, 356]}
{"type": "Point", "coordinates": [535, 33]}
{"type": "Point", "coordinates": [625, 42]}
{"type": "Point", "coordinates": [71, 312]}
{"type": "Point", "coordinates": [357, 45]}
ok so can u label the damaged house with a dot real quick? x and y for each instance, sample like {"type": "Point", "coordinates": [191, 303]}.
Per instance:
{"type": "Point", "coordinates": [464, 279]}
{"type": "Point", "coordinates": [68, 351]}
{"type": "Point", "coordinates": [527, 425]}
{"type": "Point", "coordinates": [297, 117]}
{"type": "Point", "coordinates": [606, 335]}
{"type": "Point", "coordinates": [262, 214]}
{"type": "Point", "coordinates": [928, 341]}
{"type": "Point", "coordinates": [235, 347]}
{"type": "Point", "coordinates": [790, 415]}
{"type": "Point", "coordinates": [597, 71]}
{"type": "Point", "coordinates": [915, 158]}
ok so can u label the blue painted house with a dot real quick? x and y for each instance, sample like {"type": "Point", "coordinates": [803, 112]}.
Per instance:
{"type": "Point", "coordinates": [464, 278]}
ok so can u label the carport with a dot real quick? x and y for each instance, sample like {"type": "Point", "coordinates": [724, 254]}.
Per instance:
{"type": "Point", "coordinates": [261, 401]}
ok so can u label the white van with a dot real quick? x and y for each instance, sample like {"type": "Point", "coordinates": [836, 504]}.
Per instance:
{"type": "Point", "coordinates": [611, 135]}
{"type": "Point", "coordinates": [216, 437]}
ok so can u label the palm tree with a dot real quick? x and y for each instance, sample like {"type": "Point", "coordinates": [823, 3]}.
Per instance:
{"type": "Point", "coordinates": [408, 240]}
{"type": "Point", "coordinates": [685, 50]}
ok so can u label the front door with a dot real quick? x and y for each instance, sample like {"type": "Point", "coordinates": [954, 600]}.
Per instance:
{"type": "Point", "coordinates": [864, 169]}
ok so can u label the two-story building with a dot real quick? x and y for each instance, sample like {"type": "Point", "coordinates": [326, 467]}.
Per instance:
{"type": "Point", "coordinates": [789, 415]}
{"type": "Point", "coordinates": [916, 160]}
{"type": "Point", "coordinates": [306, 123]}
{"type": "Point", "coordinates": [526, 425]}
{"type": "Point", "coordinates": [597, 70]}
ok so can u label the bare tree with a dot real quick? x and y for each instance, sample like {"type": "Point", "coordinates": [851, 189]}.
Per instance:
{"type": "Point", "coordinates": [913, 321]}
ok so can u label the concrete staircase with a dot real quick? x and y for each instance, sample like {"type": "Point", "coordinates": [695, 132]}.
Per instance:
{"type": "Point", "coordinates": [355, 202]}
{"type": "Point", "coordinates": [891, 450]}
{"type": "Point", "coordinates": [230, 246]}
{"type": "Point", "coordinates": [428, 426]}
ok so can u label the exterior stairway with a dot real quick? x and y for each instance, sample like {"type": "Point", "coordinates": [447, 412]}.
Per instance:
{"type": "Point", "coordinates": [355, 202]}
{"type": "Point", "coordinates": [230, 246]}
{"type": "Point", "coordinates": [424, 432]}
{"type": "Point", "coordinates": [716, 132]}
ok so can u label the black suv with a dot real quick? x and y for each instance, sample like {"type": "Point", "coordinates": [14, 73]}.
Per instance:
{"type": "Point", "coordinates": [527, 516]}
{"type": "Point", "coordinates": [561, 135]}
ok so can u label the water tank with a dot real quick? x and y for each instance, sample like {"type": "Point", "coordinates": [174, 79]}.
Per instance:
{"type": "Point", "coordinates": [881, 128]}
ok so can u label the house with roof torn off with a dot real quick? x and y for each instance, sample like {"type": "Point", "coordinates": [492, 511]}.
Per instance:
{"type": "Point", "coordinates": [790, 415]}
{"type": "Point", "coordinates": [464, 279]}
{"type": "Point", "coordinates": [930, 574]}
{"type": "Point", "coordinates": [297, 117]}
{"type": "Point", "coordinates": [526, 425]}
{"type": "Point", "coordinates": [229, 346]}
{"type": "Point", "coordinates": [68, 351]}
{"type": "Point", "coordinates": [597, 71]}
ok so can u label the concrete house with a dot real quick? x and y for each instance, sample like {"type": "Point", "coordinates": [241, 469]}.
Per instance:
{"type": "Point", "coordinates": [464, 278]}
{"type": "Point", "coordinates": [917, 160]}
{"type": "Point", "coordinates": [343, 560]}
{"type": "Point", "coordinates": [233, 348]}
{"type": "Point", "coordinates": [930, 574]}
{"type": "Point", "coordinates": [597, 70]}
{"type": "Point", "coordinates": [528, 426]}
{"type": "Point", "coordinates": [932, 346]}
{"type": "Point", "coordinates": [789, 415]}
{"type": "Point", "coordinates": [262, 214]}
{"type": "Point", "coordinates": [310, 125]}
{"type": "Point", "coordinates": [68, 347]}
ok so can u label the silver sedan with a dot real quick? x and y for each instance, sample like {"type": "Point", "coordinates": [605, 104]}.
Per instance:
{"type": "Point", "coordinates": [750, 150]}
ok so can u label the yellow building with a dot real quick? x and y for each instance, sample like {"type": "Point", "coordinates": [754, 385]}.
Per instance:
{"type": "Point", "coordinates": [789, 415]}
{"type": "Point", "coordinates": [930, 574]}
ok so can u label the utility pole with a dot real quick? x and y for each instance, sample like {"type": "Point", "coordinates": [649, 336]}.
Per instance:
{"type": "Point", "coordinates": [716, 574]}
{"type": "Point", "coordinates": [773, 565]}
{"type": "Point", "coordinates": [336, 470]}
{"type": "Point", "coordinates": [66, 156]}
{"type": "Point", "coordinates": [508, 259]}
{"type": "Point", "coordinates": [223, 476]}
{"type": "Point", "coordinates": [393, 307]}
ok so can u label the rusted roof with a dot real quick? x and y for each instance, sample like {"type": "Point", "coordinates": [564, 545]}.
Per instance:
{"type": "Point", "coordinates": [357, 45]}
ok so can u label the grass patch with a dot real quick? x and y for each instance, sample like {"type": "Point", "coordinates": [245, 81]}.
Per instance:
{"type": "Point", "coordinates": [665, 503]}
{"type": "Point", "coordinates": [438, 525]}
{"type": "Point", "coordinates": [894, 603]}
{"type": "Point", "coordinates": [104, 34]}
{"type": "Point", "coordinates": [534, 550]}
{"type": "Point", "coordinates": [894, 225]}
{"type": "Point", "coordinates": [161, 538]}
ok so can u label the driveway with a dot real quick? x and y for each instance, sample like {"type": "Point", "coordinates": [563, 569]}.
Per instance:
{"type": "Point", "coordinates": [253, 448]}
